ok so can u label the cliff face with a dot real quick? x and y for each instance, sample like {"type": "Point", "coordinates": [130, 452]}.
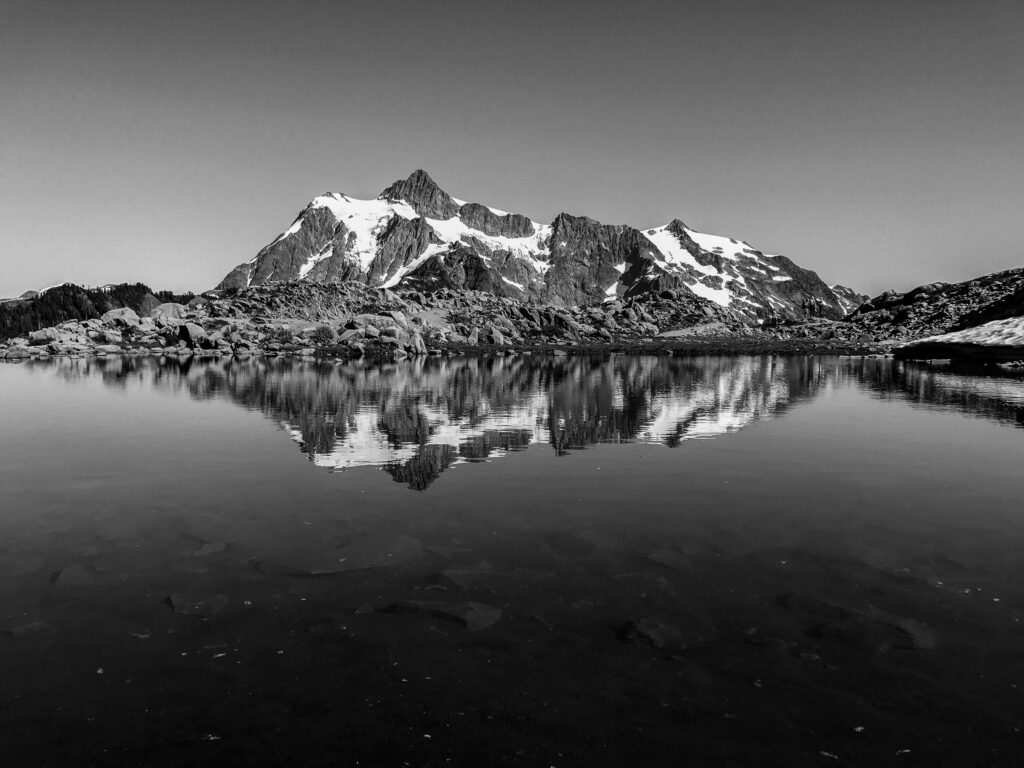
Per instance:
{"type": "Point", "coordinates": [417, 235]}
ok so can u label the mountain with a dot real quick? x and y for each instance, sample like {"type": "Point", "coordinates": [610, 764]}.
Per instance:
{"type": "Point", "coordinates": [416, 235]}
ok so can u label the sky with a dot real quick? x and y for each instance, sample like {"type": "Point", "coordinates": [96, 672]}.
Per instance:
{"type": "Point", "coordinates": [879, 143]}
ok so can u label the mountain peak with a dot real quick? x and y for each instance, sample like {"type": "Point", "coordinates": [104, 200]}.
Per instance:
{"type": "Point", "coordinates": [416, 235]}
{"type": "Point", "coordinates": [422, 193]}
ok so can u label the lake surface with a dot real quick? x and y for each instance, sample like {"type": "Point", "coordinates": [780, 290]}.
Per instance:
{"type": "Point", "coordinates": [537, 561]}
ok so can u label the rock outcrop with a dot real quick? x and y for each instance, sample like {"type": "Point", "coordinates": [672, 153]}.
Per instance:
{"type": "Point", "coordinates": [938, 308]}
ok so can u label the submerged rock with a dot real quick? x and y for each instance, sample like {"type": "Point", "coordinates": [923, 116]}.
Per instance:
{"type": "Point", "coordinates": [494, 581]}
{"type": "Point", "coordinates": [37, 628]}
{"type": "Point", "coordinates": [671, 559]}
{"type": "Point", "coordinates": [210, 548]}
{"type": "Point", "coordinates": [205, 606]}
{"type": "Point", "coordinates": [362, 553]}
{"type": "Point", "coordinates": [653, 633]}
{"type": "Point", "coordinates": [473, 616]}
{"type": "Point", "coordinates": [73, 576]}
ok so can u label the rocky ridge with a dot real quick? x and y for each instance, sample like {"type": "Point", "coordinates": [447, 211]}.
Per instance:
{"type": "Point", "coordinates": [416, 235]}
{"type": "Point", "coordinates": [938, 308]}
{"type": "Point", "coordinates": [352, 320]}
{"type": "Point", "coordinates": [977, 319]}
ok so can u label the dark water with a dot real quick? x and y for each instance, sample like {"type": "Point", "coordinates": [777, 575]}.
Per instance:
{"type": "Point", "coordinates": [703, 561]}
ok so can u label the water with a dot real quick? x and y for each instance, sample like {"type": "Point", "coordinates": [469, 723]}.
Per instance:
{"type": "Point", "coordinates": [697, 561]}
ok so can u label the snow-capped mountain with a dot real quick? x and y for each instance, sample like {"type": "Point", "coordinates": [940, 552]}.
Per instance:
{"type": "Point", "coordinates": [416, 235]}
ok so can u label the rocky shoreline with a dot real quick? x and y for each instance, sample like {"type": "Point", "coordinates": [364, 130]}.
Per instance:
{"type": "Point", "coordinates": [351, 320]}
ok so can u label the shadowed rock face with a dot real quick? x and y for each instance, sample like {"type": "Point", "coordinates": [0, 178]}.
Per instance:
{"type": "Point", "coordinates": [483, 219]}
{"type": "Point", "coordinates": [849, 298]}
{"type": "Point", "coordinates": [585, 254]}
{"type": "Point", "coordinates": [400, 243]}
{"type": "Point", "coordinates": [416, 234]}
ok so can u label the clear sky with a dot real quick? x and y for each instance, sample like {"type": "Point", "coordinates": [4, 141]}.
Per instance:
{"type": "Point", "coordinates": [878, 143]}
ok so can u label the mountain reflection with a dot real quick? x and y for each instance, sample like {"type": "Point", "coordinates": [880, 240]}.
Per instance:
{"type": "Point", "coordinates": [417, 418]}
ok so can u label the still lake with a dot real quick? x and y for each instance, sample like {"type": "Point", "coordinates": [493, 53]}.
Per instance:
{"type": "Point", "coordinates": [537, 561]}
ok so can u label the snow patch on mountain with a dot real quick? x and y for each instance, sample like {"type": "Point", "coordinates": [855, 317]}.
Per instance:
{"type": "Point", "coordinates": [721, 296]}
{"type": "Point", "coordinates": [674, 252]}
{"type": "Point", "coordinates": [726, 246]}
{"type": "Point", "coordinates": [454, 230]}
{"type": "Point", "coordinates": [313, 260]}
{"type": "Point", "coordinates": [432, 250]}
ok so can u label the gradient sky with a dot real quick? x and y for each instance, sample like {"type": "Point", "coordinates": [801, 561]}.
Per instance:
{"type": "Point", "coordinates": [878, 143]}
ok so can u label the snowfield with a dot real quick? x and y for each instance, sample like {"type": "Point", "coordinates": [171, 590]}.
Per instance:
{"type": "Point", "coordinates": [1009, 333]}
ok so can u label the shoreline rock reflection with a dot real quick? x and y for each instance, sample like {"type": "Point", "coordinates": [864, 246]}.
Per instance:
{"type": "Point", "coordinates": [985, 392]}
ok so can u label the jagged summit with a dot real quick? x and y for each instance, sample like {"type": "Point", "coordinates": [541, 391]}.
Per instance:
{"type": "Point", "coordinates": [423, 194]}
{"type": "Point", "coordinates": [417, 235]}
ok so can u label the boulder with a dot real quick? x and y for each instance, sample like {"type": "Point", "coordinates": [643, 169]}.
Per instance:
{"type": "Point", "coordinates": [120, 318]}
{"type": "Point", "coordinates": [192, 334]}
{"type": "Point", "coordinates": [398, 317]}
{"type": "Point", "coordinates": [417, 345]}
{"type": "Point", "coordinates": [381, 321]}
{"type": "Point", "coordinates": [43, 336]}
{"type": "Point", "coordinates": [169, 311]}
